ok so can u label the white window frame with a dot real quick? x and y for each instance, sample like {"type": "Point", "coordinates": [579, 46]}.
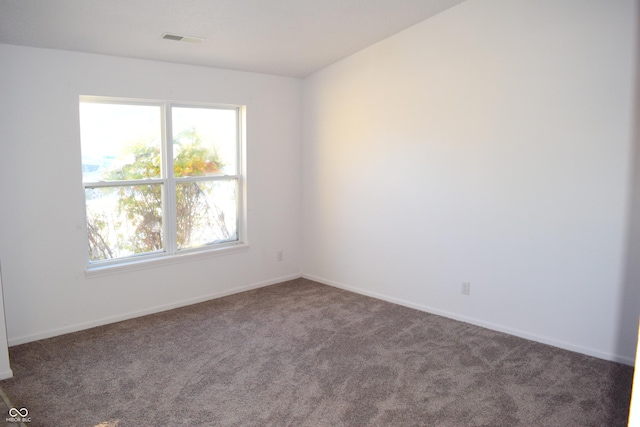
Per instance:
{"type": "Point", "coordinates": [171, 254]}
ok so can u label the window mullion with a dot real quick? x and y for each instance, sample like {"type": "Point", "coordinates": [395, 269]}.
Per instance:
{"type": "Point", "coordinates": [170, 221]}
{"type": "Point", "coordinates": [127, 183]}
{"type": "Point", "coordinates": [206, 178]}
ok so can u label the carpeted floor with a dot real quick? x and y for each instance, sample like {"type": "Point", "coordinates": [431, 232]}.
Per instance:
{"type": "Point", "coordinates": [304, 354]}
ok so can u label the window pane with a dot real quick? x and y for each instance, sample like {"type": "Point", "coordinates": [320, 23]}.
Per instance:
{"type": "Point", "coordinates": [206, 212]}
{"type": "Point", "coordinates": [204, 141]}
{"type": "Point", "coordinates": [120, 142]}
{"type": "Point", "coordinates": [124, 221]}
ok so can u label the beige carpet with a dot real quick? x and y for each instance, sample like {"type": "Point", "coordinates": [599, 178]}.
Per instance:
{"type": "Point", "coordinates": [304, 354]}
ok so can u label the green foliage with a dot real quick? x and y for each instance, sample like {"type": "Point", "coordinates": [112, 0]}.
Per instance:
{"type": "Point", "coordinates": [192, 158]}
{"type": "Point", "coordinates": [140, 206]}
{"type": "Point", "coordinates": [145, 164]}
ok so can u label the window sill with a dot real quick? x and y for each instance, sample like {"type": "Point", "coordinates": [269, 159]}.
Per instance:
{"type": "Point", "coordinates": [99, 270]}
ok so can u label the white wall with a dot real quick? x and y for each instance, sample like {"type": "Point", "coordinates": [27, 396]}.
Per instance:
{"type": "Point", "coordinates": [489, 144]}
{"type": "Point", "coordinates": [42, 243]}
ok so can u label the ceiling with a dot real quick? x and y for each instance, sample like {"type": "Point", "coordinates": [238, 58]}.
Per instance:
{"type": "Point", "coordinates": [283, 37]}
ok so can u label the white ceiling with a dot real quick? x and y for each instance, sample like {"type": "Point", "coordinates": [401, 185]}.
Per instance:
{"type": "Point", "coordinates": [283, 37]}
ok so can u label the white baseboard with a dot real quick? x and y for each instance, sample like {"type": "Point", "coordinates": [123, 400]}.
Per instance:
{"type": "Point", "coordinates": [421, 307]}
{"type": "Point", "coordinates": [152, 310]}
{"type": "Point", "coordinates": [473, 321]}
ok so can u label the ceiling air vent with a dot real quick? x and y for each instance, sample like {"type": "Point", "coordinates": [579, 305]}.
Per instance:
{"type": "Point", "coordinates": [179, 38]}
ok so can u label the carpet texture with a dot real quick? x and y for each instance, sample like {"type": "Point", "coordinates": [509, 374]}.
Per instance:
{"type": "Point", "coordinates": [304, 354]}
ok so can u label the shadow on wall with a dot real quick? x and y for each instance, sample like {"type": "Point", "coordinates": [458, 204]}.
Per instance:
{"type": "Point", "coordinates": [629, 306]}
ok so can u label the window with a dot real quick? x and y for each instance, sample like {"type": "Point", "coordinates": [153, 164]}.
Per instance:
{"type": "Point", "coordinates": [160, 178]}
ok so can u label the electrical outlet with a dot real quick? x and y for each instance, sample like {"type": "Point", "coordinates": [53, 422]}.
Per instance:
{"type": "Point", "coordinates": [280, 256]}
{"type": "Point", "coordinates": [466, 288]}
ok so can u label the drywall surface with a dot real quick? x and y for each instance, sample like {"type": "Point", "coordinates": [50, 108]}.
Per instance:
{"type": "Point", "coordinates": [42, 240]}
{"type": "Point", "coordinates": [490, 144]}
